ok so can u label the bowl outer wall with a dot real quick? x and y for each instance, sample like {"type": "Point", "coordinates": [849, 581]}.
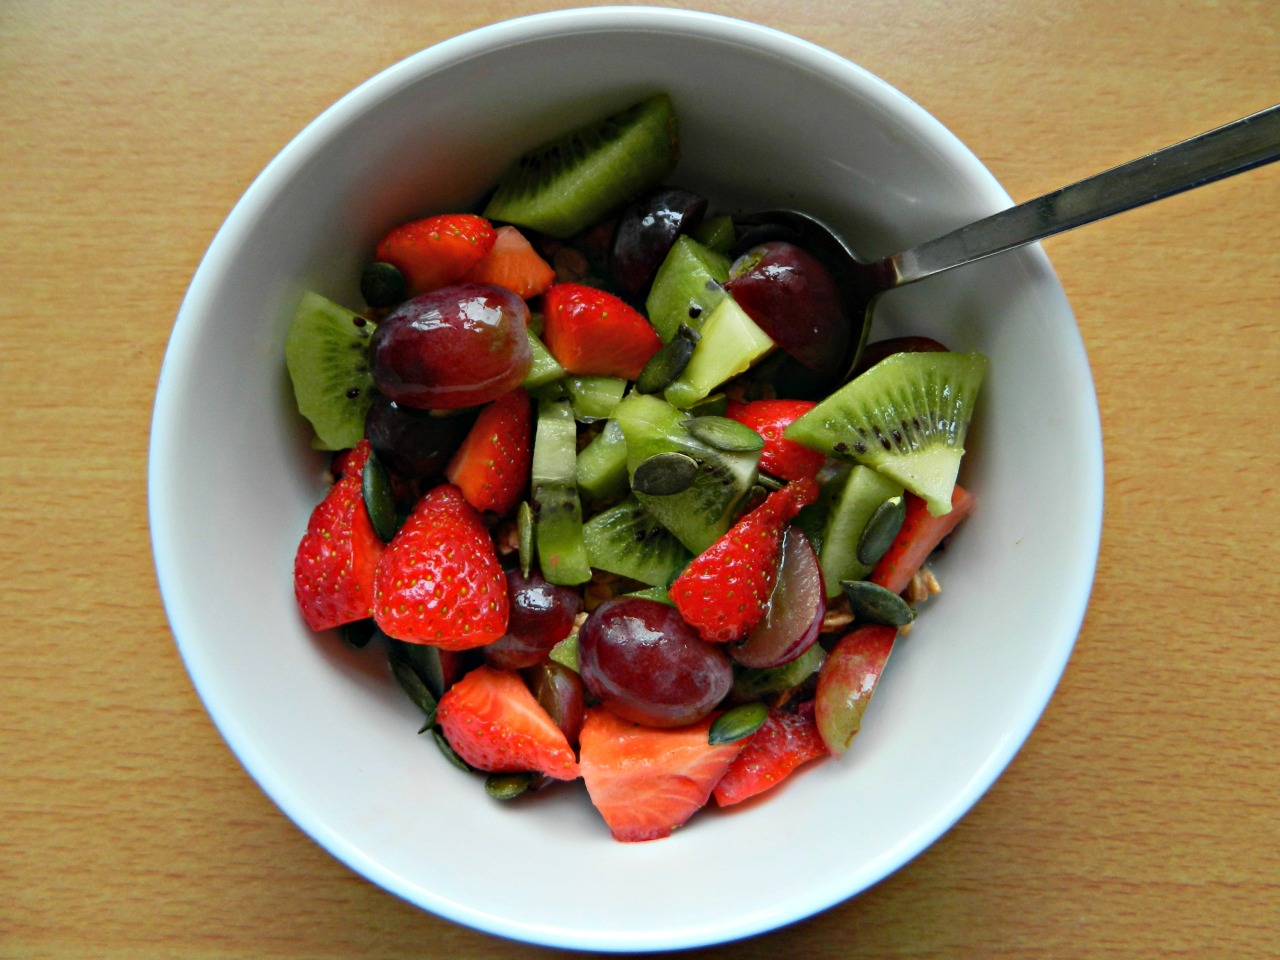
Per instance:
{"type": "Point", "coordinates": [325, 732]}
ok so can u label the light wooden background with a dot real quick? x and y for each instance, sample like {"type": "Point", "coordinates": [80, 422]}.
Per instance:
{"type": "Point", "coordinates": [1140, 820]}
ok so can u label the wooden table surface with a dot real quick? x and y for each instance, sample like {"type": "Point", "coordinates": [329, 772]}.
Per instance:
{"type": "Point", "coordinates": [1141, 819]}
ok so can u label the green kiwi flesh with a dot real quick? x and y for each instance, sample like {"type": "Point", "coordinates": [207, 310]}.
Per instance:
{"type": "Point", "coordinates": [602, 464]}
{"type": "Point", "coordinates": [686, 288]}
{"type": "Point", "coordinates": [627, 541]}
{"type": "Point", "coordinates": [863, 492]}
{"type": "Point", "coordinates": [906, 417]}
{"type": "Point", "coordinates": [569, 183]}
{"type": "Point", "coordinates": [327, 354]}
{"type": "Point", "coordinates": [700, 514]}
{"type": "Point", "coordinates": [730, 343]}
{"type": "Point", "coordinates": [562, 555]}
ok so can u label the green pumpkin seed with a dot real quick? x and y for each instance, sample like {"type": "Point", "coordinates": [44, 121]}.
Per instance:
{"type": "Point", "coordinates": [412, 685]}
{"type": "Point", "coordinates": [664, 474]}
{"type": "Point", "coordinates": [448, 751]}
{"type": "Point", "coordinates": [423, 659]}
{"type": "Point", "coordinates": [753, 683]}
{"type": "Point", "coordinates": [665, 366]}
{"type": "Point", "coordinates": [507, 786]}
{"type": "Point", "coordinates": [879, 533]}
{"type": "Point", "coordinates": [358, 634]}
{"type": "Point", "coordinates": [378, 500]}
{"type": "Point", "coordinates": [524, 530]}
{"type": "Point", "coordinates": [382, 284]}
{"type": "Point", "coordinates": [725, 434]}
{"type": "Point", "coordinates": [872, 603]}
{"type": "Point", "coordinates": [737, 723]}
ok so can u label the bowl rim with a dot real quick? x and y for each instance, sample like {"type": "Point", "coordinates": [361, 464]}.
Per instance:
{"type": "Point", "coordinates": [313, 138]}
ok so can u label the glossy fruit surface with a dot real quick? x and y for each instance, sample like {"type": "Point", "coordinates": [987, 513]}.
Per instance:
{"type": "Point", "coordinates": [646, 664]}
{"type": "Point", "coordinates": [795, 300]}
{"type": "Point", "coordinates": [646, 232]}
{"type": "Point", "coordinates": [459, 346]}
{"type": "Point", "coordinates": [412, 443]}
{"type": "Point", "coordinates": [491, 466]}
{"type": "Point", "coordinates": [540, 616]}
{"type": "Point", "coordinates": [560, 691]}
{"type": "Point", "coordinates": [787, 740]}
{"type": "Point", "coordinates": [796, 608]}
{"type": "Point", "coordinates": [436, 251]}
{"type": "Point", "coordinates": [592, 332]}
{"type": "Point", "coordinates": [846, 681]}
{"type": "Point", "coordinates": [781, 457]}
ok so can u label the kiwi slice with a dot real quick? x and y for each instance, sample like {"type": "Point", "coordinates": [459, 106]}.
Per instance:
{"type": "Point", "coordinates": [562, 556]}
{"type": "Point", "coordinates": [627, 541]}
{"type": "Point", "coordinates": [863, 493]}
{"type": "Point", "coordinates": [594, 398]}
{"type": "Point", "coordinates": [730, 343]}
{"type": "Point", "coordinates": [686, 288]}
{"type": "Point", "coordinates": [702, 512]}
{"type": "Point", "coordinates": [602, 464]}
{"type": "Point", "coordinates": [907, 417]}
{"type": "Point", "coordinates": [569, 183]}
{"type": "Point", "coordinates": [545, 368]}
{"type": "Point", "coordinates": [327, 353]}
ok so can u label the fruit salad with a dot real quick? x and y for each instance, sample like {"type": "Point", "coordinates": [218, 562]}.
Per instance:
{"type": "Point", "coordinates": [617, 491]}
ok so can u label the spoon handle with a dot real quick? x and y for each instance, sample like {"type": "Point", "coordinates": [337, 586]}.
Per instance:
{"type": "Point", "coordinates": [1242, 145]}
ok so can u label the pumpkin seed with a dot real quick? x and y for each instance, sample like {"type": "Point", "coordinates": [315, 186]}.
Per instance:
{"type": "Point", "coordinates": [378, 500]}
{"type": "Point", "coordinates": [358, 633]}
{"type": "Point", "coordinates": [872, 603]}
{"type": "Point", "coordinates": [665, 366]}
{"type": "Point", "coordinates": [881, 529]}
{"type": "Point", "coordinates": [507, 786]}
{"type": "Point", "coordinates": [381, 284]}
{"type": "Point", "coordinates": [725, 434]}
{"type": "Point", "coordinates": [423, 659]}
{"type": "Point", "coordinates": [524, 530]}
{"type": "Point", "coordinates": [413, 685]}
{"type": "Point", "coordinates": [737, 723]}
{"type": "Point", "coordinates": [664, 474]}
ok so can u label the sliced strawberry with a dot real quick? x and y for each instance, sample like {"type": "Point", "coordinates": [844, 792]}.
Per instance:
{"type": "Point", "coordinates": [919, 536]}
{"type": "Point", "coordinates": [350, 462]}
{"type": "Point", "coordinates": [787, 739]}
{"type": "Point", "coordinates": [647, 781]}
{"type": "Point", "coordinates": [333, 568]}
{"type": "Point", "coordinates": [592, 332]}
{"type": "Point", "coordinates": [723, 591]}
{"type": "Point", "coordinates": [495, 724]}
{"type": "Point", "coordinates": [513, 264]}
{"type": "Point", "coordinates": [436, 251]}
{"type": "Point", "coordinates": [780, 457]}
{"type": "Point", "coordinates": [491, 467]}
{"type": "Point", "coordinates": [439, 580]}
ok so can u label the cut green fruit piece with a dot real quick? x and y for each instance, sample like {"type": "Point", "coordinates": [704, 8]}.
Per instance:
{"type": "Point", "coordinates": [686, 288]}
{"type": "Point", "coordinates": [545, 368]}
{"type": "Point", "coordinates": [327, 353]}
{"type": "Point", "coordinates": [569, 183]}
{"type": "Point", "coordinates": [702, 513]}
{"type": "Point", "coordinates": [753, 683]}
{"type": "Point", "coordinates": [907, 417]}
{"type": "Point", "coordinates": [814, 519]}
{"type": "Point", "coordinates": [731, 342]}
{"type": "Point", "coordinates": [716, 233]}
{"type": "Point", "coordinates": [562, 556]}
{"type": "Point", "coordinates": [594, 398]}
{"type": "Point", "coordinates": [627, 541]}
{"type": "Point", "coordinates": [862, 495]}
{"type": "Point", "coordinates": [657, 594]}
{"type": "Point", "coordinates": [602, 464]}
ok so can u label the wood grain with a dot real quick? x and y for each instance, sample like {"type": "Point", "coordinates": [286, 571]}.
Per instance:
{"type": "Point", "coordinates": [1141, 817]}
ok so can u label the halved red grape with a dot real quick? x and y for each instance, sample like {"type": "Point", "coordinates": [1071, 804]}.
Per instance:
{"type": "Point", "coordinates": [561, 693]}
{"type": "Point", "coordinates": [541, 615]}
{"type": "Point", "coordinates": [646, 664]}
{"type": "Point", "coordinates": [411, 443]}
{"type": "Point", "coordinates": [796, 608]}
{"type": "Point", "coordinates": [459, 346]}
{"type": "Point", "coordinates": [646, 232]}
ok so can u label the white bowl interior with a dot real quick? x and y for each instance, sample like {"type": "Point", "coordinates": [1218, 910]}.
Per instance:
{"type": "Point", "coordinates": [766, 120]}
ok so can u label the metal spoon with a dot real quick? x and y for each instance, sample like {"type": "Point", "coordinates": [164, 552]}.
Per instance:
{"type": "Point", "coordinates": [1222, 152]}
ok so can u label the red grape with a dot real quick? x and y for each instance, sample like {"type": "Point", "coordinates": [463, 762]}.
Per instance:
{"type": "Point", "coordinates": [541, 615]}
{"type": "Point", "coordinates": [642, 661]}
{"type": "Point", "coordinates": [459, 346]}
{"type": "Point", "coordinates": [646, 232]}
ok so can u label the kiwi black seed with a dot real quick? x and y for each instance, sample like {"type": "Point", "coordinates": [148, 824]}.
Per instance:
{"type": "Point", "coordinates": [327, 353]}
{"type": "Point", "coordinates": [907, 417]}
{"type": "Point", "coordinates": [566, 184]}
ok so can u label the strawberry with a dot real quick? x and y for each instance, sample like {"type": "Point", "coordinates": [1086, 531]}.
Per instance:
{"type": "Point", "coordinates": [919, 536]}
{"type": "Point", "coordinates": [787, 739]}
{"type": "Point", "coordinates": [513, 264]}
{"type": "Point", "coordinates": [780, 457]}
{"type": "Point", "coordinates": [723, 592]}
{"type": "Point", "coordinates": [592, 332]}
{"type": "Point", "coordinates": [350, 462]}
{"type": "Point", "coordinates": [333, 568]}
{"type": "Point", "coordinates": [439, 580]}
{"type": "Point", "coordinates": [491, 467]}
{"type": "Point", "coordinates": [436, 251]}
{"type": "Point", "coordinates": [646, 781]}
{"type": "Point", "coordinates": [495, 724]}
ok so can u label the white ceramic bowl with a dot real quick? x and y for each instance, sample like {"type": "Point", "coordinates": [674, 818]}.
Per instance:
{"type": "Point", "coordinates": [766, 119]}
